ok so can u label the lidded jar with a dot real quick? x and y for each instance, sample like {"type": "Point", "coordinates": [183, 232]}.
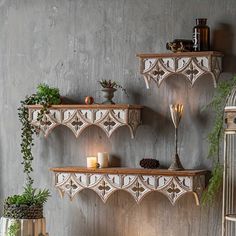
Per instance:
{"type": "Point", "coordinates": [201, 35]}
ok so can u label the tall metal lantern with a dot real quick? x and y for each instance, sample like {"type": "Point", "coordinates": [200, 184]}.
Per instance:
{"type": "Point", "coordinates": [229, 183]}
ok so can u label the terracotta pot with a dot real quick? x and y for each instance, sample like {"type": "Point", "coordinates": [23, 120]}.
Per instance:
{"type": "Point", "coordinates": [108, 94]}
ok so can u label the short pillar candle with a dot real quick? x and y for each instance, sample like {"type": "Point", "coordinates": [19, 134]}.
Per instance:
{"type": "Point", "coordinates": [103, 159]}
{"type": "Point", "coordinates": [91, 162]}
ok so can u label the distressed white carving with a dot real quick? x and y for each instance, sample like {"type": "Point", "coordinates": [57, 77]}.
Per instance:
{"type": "Point", "coordinates": [192, 68]}
{"type": "Point", "coordinates": [77, 120]}
{"type": "Point", "coordinates": [173, 187]}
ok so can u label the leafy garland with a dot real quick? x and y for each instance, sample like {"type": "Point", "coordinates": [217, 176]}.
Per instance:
{"type": "Point", "coordinates": [45, 96]}
{"type": "Point", "coordinates": [217, 104]}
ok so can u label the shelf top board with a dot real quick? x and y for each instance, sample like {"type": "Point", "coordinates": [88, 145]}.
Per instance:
{"type": "Point", "coordinates": [93, 106]}
{"type": "Point", "coordinates": [231, 217]}
{"type": "Point", "coordinates": [230, 108]}
{"type": "Point", "coordinates": [180, 54]}
{"type": "Point", "coordinates": [128, 171]}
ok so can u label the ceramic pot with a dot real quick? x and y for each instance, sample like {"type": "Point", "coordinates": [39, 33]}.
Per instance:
{"type": "Point", "coordinates": [108, 94]}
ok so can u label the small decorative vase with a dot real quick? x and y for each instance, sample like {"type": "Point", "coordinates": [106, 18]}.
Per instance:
{"type": "Point", "coordinates": [108, 94]}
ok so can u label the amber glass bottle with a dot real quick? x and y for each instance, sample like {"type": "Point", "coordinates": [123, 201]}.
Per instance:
{"type": "Point", "coordinates": [201, 36]}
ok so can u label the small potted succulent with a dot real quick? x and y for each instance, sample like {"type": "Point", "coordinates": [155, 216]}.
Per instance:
{"type": "Point", "coordinates": [108, 89]}
{"type": "Point", "coordinates": [23, 213]}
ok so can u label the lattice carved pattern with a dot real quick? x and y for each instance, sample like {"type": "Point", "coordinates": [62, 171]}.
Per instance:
{"type": "Point", "coordinates": [192, 68]}
{"type": "Point", "coordinates": [138, 186]}
{"type": "Point", "coordinates": [77, 120]}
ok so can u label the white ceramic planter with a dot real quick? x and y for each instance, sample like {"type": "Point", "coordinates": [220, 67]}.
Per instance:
{"type": "Point", "coordinates": [32, 227]}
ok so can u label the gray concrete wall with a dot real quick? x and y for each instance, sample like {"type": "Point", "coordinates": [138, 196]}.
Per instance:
{"type": "Point", "coordinates": [72, 44]}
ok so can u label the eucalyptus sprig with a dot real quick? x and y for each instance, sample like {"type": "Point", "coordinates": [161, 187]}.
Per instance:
{"type": "Point", "coordinates": [217, 104]}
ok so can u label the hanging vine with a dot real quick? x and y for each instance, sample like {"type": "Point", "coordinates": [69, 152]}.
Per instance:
{"type": "Point", "coordinates": [45, 96]}
{"type": "Point", "coordinates": [215, 137]}
{"type": "Point", "coordinates": [31, 197]}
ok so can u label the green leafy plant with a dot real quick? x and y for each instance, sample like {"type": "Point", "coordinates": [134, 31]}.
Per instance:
{"type": "Point", "coordinates": [45, 96]}
{"type": "Point", "coordinates": [217, 104]}
{"type": "Point", "coordinates": [30, 196]}
{"type": "Point", "coordinates": [111, 84]}
{"type": "Point", "coordinates": [13, 228]}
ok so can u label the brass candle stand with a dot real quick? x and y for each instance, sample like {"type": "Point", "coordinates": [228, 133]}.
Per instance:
{"type": "Point", "coordinates": [176, 111]}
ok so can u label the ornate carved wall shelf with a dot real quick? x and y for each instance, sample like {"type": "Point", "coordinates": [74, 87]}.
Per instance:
{"type": "Point", "coordinates": [191, 65]}
{"type": "Point", "coordinates": [137, 182]}
{"type": "Point", "coordinates": [78, 117]}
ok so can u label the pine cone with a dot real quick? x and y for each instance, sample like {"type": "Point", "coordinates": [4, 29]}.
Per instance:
{"type": "Point", "coordinates": [149, 163]}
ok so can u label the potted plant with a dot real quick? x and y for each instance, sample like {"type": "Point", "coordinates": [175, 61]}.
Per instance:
{"type": "Point", "coordinates": [223, 92]}
{"type": "Point", "coordinates": [23, 214]}
{"type": "Point", "coordinates": [108, 89]}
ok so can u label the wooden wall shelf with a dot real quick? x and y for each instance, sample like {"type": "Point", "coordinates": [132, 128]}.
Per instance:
{"type": "Point", "coordinates": [191, 65]}
{"type": "Point", "coordinates": [137, 182]}
{"type": "Point", "coordinates": [78, 117]}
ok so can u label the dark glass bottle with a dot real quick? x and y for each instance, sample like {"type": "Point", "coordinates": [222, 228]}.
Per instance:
{"type": "Point", "coordinates": [201, 35]}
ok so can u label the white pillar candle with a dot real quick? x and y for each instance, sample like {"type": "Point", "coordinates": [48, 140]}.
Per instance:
{"type": "Point", "coordinates": [91, 162]}
{"type": "Point", "coordinates": [103, 159]}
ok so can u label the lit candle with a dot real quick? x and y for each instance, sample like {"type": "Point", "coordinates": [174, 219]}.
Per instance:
{"type": "Point", "coordinates": [91, 162]}
{"type": "Point", "coordinates": [103, 159]}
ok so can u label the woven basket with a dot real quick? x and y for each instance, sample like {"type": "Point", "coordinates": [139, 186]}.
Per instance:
{"type": "Point", "coordinates": [23, 211]}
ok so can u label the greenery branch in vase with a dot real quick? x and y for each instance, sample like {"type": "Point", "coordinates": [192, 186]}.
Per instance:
{"type": "Point", "coordinates": [215, 137]}
{"type": "Point", "coordinates": [108, 89]}
{"type": "Point", "coordinates": [29, 204]}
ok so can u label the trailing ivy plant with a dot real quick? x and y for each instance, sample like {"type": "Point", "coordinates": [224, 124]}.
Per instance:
{"type": "Point", "coordinates": [45, 96]}
{"type": "Point", "coordinates": [215, 137]}
{"type": "Point", "coordinates": [13, 228]}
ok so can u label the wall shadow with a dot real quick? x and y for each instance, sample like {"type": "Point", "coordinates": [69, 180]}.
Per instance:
{"type": "Point", "coordinates": [223, 41]}
{"type": "Point", "coordinates": [114, 161]}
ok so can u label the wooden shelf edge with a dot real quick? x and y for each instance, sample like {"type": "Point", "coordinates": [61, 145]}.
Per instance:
{"type": "Point", "coordinates": [180, 54]}
{"type": "Point", "coordinates": [93, 106]}
{"type": "Point", "coordinates": [135, 171]}
{"type": "Point", "coordinates": [137, 182]}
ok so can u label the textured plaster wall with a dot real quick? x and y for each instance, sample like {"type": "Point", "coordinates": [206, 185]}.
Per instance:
{"type": "Point", "coordinates": [72, 44]}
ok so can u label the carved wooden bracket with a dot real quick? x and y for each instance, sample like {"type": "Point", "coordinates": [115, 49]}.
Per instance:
{"type": "Point", "coordinates": [79, 117]}
{"type": "Point", "coordinates": [137, 182]}
{"type": "Point", "coordinates": [191, 65]}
